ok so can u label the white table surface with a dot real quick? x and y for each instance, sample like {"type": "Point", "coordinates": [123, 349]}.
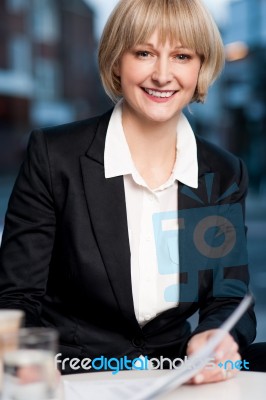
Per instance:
{"type": "Point", "coordinates": [245, 386]}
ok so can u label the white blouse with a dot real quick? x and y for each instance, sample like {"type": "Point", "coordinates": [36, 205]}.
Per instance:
{"type": "Point", "coordinates": [152, 217]}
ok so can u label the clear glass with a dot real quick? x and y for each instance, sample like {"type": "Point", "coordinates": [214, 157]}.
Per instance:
{"type": "Point", "coordinates": [29, 369]}
{"type": "Point", "coordinates": [10, 322]}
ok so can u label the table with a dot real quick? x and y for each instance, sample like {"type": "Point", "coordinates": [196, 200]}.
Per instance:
{"type": "Point", "coordinates": [246, 386]}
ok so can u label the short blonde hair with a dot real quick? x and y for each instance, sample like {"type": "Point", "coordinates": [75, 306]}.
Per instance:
{"type": "Point", "coordinates": [132, 22]}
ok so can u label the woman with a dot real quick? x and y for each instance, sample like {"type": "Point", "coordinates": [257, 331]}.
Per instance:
{"type": "Point", "coordinates": [91, 245]}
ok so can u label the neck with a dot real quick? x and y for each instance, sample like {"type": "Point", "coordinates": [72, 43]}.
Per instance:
{"type": "Point", "coordinates": [152, 146]}
{"type": "Point", "coordinates": [149, 140]}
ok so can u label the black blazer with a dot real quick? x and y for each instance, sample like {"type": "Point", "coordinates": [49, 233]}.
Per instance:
{"type": "Point", "coordinates": [65, 256]}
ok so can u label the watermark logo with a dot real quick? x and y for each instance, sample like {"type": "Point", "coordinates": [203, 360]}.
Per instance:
{"type": "Point", "coordinates": [102, 363]}
{"type": "Point", "coordinates": [211, 237]}
{"type": "Point", "coordinates": [141, 363]}
{"type": "Point", "coordinates": [238, 364]}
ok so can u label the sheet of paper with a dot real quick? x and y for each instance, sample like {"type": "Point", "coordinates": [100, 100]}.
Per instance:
{"type": "Point", "coordinates": [105, 389]}
{"type": "Point", "coordinates": [150, 389]}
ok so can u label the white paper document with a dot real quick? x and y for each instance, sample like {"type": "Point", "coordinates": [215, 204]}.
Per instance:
{"type": "Point", "coordinates": [104, 390]}
{"type": "Point", "coordinates": [150, 388]}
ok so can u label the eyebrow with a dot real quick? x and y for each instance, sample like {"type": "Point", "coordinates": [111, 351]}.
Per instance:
{"type": "Point", "coordinates": [175, 48]}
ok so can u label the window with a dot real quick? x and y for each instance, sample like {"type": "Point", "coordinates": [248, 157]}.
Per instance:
{"type": "Point", "coordinates": [20, 54]}
{"type": "Point", "coordinates": [16, 6]}
{"type": "Point", "coordinates": [263, 18]}
{"type": "Point", "coordinates": [47, 79]}
{"type": "Point", "coordinates": [45, 22]}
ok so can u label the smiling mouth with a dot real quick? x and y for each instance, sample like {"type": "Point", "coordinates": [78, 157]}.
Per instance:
{"type": "Point", "coordinates": [160, 94]}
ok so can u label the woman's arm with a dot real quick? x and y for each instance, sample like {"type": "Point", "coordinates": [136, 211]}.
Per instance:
{"type": "Point", "coordinates": [219, 302]}
{"type": "Point", "coordinates": [231, 278]}
{"type": "Point", "coordinates": [28, 235]}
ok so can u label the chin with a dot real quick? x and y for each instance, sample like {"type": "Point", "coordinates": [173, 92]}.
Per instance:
{"type": "Point", "coordinates": [161, 118]}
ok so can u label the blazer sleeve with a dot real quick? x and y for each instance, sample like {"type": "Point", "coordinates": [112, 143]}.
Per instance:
{"type": "Point", "coordinates": [214, 310]}
{"type": "Point", "coordinates": [28, 235]}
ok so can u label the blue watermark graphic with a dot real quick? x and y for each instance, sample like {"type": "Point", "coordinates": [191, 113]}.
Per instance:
{"type": "Point", "coordinates": [211, 237]}
{"type": "Point", "coordinates": [238, 364]}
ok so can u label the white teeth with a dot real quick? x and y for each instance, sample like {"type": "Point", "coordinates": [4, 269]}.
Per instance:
{"type": "Point", "coordinates": [159, 94]}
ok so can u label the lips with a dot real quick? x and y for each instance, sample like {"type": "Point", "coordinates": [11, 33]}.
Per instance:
{"type": "Point", "coordinates": [160, 94]}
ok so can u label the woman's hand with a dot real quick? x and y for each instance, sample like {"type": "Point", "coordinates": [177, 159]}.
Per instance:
{"type": "Point", "coordinates": [227, 350]}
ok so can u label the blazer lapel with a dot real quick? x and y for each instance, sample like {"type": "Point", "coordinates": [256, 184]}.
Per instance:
{"type": "Point", "coordinates": [107, 210]}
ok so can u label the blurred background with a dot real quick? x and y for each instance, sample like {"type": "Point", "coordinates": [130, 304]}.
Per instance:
{"type": "Point", "coordinates": [49, 76]}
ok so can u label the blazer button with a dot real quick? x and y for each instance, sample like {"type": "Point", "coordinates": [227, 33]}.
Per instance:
{"type": "Point", "coordinates": [138, 342]}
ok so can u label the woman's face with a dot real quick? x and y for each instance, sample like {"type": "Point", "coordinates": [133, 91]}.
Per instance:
{"type": "Point", "coordinates": [158, 81]}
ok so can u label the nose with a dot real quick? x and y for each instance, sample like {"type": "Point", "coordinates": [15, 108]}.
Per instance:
{"type": "Point", "coordinates": [162, 71]}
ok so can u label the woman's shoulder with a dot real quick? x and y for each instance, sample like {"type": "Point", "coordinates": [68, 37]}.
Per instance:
{"type": "Point", "coordinates": [217, 157]}
{"type": "Point", "coordinates": [69, 140]}
{"type": "Point", "coordinates": [73, 130]}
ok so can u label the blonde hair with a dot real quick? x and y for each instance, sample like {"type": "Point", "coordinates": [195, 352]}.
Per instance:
{"type": "Point", "coordinates": [132, 22]}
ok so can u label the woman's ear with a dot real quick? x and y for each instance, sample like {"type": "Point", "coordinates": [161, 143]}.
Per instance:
{"type": "Point", "coordinates": [117, 68]}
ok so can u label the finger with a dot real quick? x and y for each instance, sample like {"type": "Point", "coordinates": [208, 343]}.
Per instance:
{"type": "Point", "coordinates": [214, 376]}
{"type": "Point", "coordinates": [197, 341]}
{"type": "Point", "coordinates": [232, 355]}
{"type": "Point", "coordinates": [194, 344]}
{"type": "Point", "coordinates": [224, 372]}
{"type": "Point", "coordinates": [230, 364]}
{"type": "Point", "coordinates": [226, 348]}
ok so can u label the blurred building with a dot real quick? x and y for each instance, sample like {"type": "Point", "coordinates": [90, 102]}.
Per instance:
{"type": "Point", "coordinates": [244, 93]}
{"type": "Point", "coordinates": [48, 69]}
{"type": "Point", "coordinates": [235, 112]}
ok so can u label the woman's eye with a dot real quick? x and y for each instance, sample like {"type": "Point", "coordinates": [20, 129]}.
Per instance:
{"type": "Point", "coordinates": [143, 54]}
{"type": "Point", "coordinates": [183, 57]}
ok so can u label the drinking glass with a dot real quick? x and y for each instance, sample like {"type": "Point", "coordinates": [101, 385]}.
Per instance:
{"type": "Point", "coordinates": [29, 369]}
{"type": "Point", "coordinates": [10, 322]}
